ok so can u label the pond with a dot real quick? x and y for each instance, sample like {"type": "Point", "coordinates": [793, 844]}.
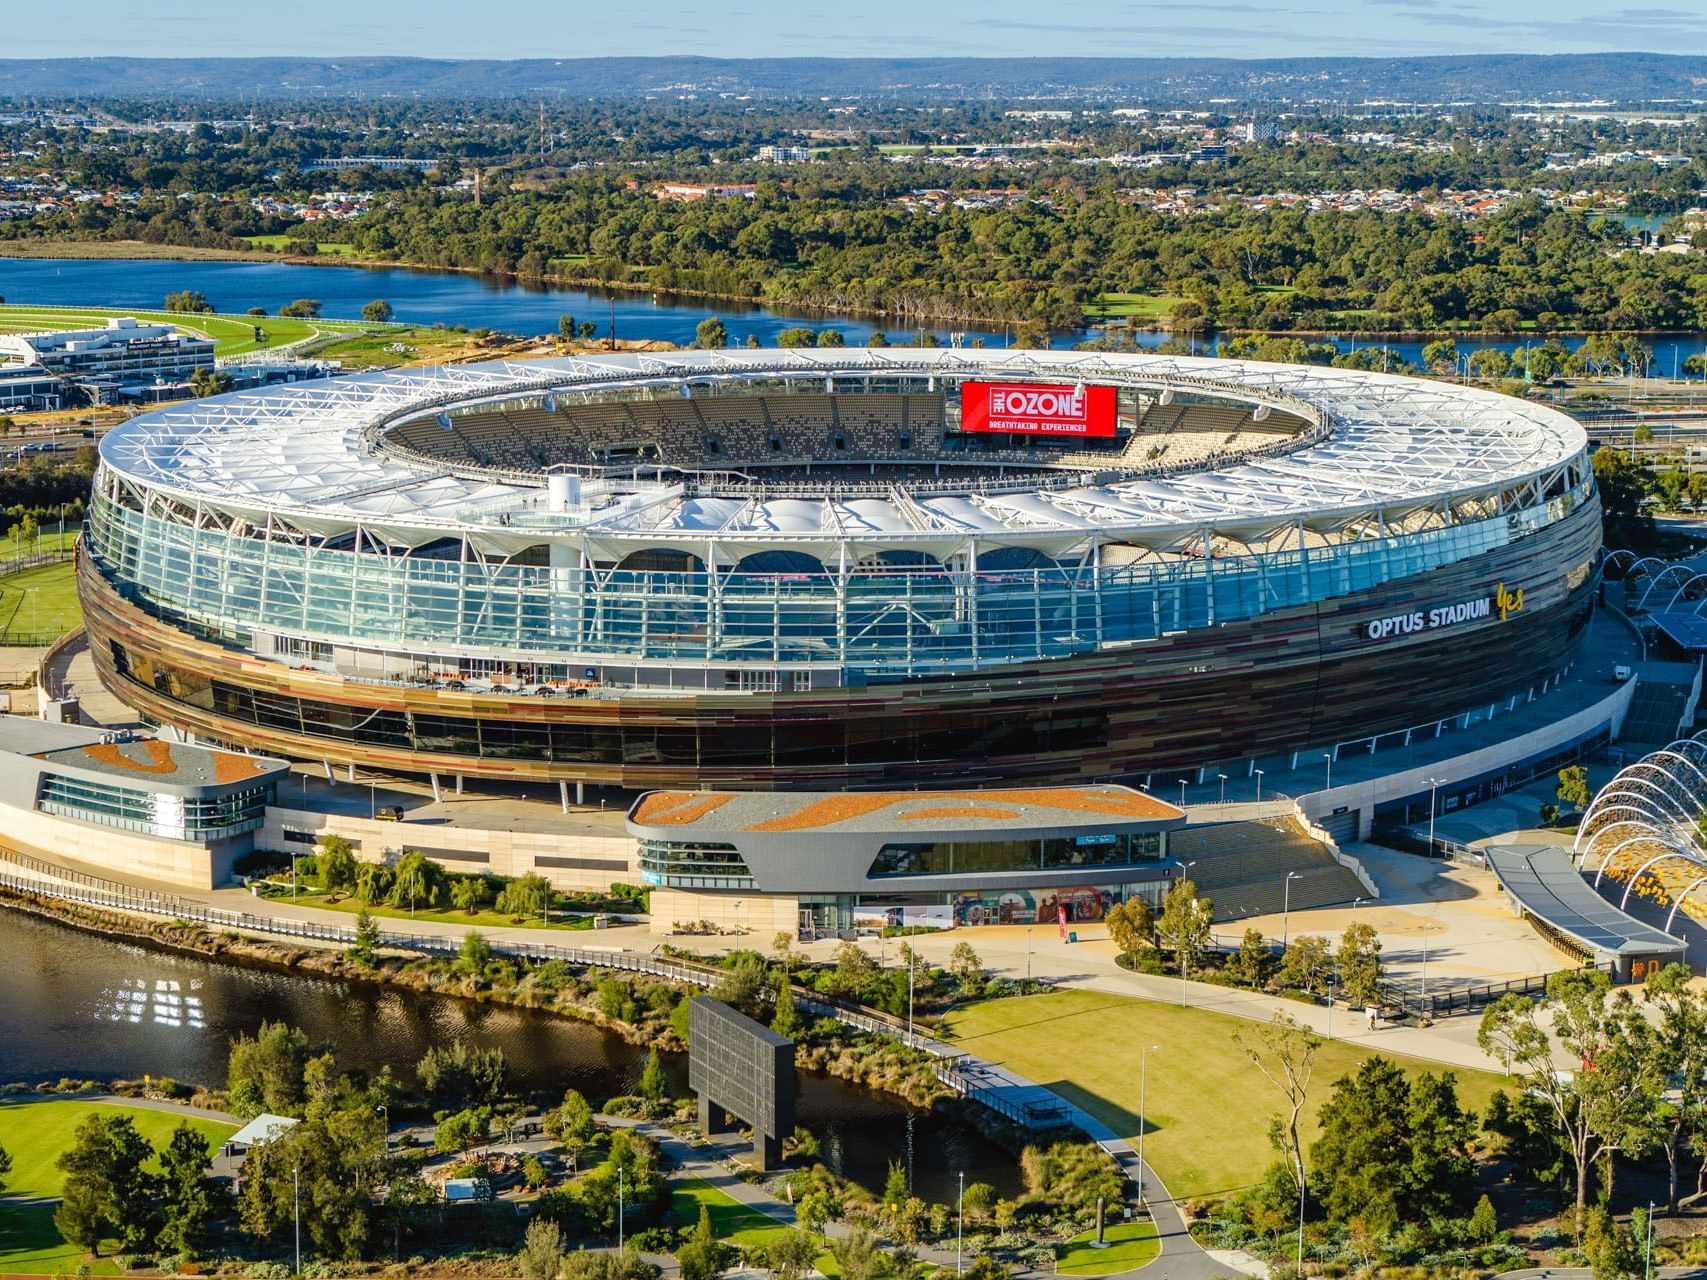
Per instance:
{"type": "Point", "coordinates": [83, 1006]}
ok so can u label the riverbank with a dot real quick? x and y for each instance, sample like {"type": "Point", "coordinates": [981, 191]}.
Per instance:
{"type": "Point", "coordinates": [643, 1011]}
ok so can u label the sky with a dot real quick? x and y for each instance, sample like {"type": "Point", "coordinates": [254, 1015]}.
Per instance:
{"type": "Point", "coordinates": [848, 28]}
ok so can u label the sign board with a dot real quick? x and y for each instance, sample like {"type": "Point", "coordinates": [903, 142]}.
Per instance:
{"type": "Point", "coordinates": [1038, 409]}
{"type": "Point", "coordinates": [741, 1067]}
{"type": "Point", "coordinates": [1502, 604]}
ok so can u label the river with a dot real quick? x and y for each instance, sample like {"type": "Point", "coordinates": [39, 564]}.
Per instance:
{"type": "Point", "coordinates": [440, 297]}
{"type": "Point", "coordinates": [78, 1005]}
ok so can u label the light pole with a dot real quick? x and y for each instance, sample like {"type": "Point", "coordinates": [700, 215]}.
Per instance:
{"type": "Point", "coordinates": [1182, 793]}
{"type": "Point", "coordinates": [1648, 1244]}
{"type": "Point", "coordinates": [293, 875]}
{"type": "Point", "coordinates": [1329, 757]}
{"type": "Point", "coordinates": [1223, 778]}
{"type": "Point", "coordinates": [1258, 773]}
{"type": "Point", "coordinates": [1433, 786]}
{"type": "Point", "coordinates": [296, 1212]}
{"type": "Point", "coordinates": [1286, 909]}
{"type": "Point", "coordinates": [385, 1138]}
{"type": "Point", "coordinates": [619, 1208]}
{"type": "Point", "coordinates": [1184, 983]}
{"type": "Point", "coordinates": [960, 1224]}
{"type": "Point", "coordinates": [1143, 1122]}
{"type": "Point", "coordinates": [912, 959]}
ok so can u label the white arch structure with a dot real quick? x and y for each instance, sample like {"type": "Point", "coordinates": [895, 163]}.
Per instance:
{"type": "Point", "coordinates": [1657, 802]}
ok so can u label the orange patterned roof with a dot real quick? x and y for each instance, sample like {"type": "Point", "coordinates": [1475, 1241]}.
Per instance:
{"type": "Point", "coordinates": [678, 808]}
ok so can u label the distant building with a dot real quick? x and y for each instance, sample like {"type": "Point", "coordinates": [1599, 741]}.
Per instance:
{"type": "Point", "coordinates": [123, 360]}
{"type": "Point", "coordinates": [369, 162]}
{"type": "Point", "coordinates": [783, 155]}
{"type": "Point", "coordinates": [707, 190]}
{"type": "Point", "coordinates": [1262, 131]}
{"type": "Point", "coordinates": [29, 387]}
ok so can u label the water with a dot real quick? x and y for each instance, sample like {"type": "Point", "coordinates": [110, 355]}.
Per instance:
{"type": "Point", "coordinates": [88, 1007]}
{"type": "Point", "coordinates": [437, 297]}
{"type": "Point", "coordinates": [418, 297]}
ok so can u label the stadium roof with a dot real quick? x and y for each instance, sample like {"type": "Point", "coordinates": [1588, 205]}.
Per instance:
{"type": "Point", "coordinates": [1545, 884]}
{"type": "Point", "coordinates": [1022, 809]}
{"type": "Point", "coordinates": [309, 454]}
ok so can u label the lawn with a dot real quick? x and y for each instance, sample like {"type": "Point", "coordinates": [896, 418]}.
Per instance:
{"type": "Point", "coordinates": [232, 335]}
{"type": "Point", "coordinates": [325, 248]}
{"type": "Point", "coordinates": [392, 347]}
{"type": "Point", "coordinates": [1123, 306]}
{"type": "Point", "coordinates": [731, 1221]}
{"type": "Point", "coordinates": [1208, 1106]}
{"type": "Point", "coordinates": [39, 605]}
{"type": "Point", "coordinates": [34, 1134]}
{"type": "Point", "coordinates": [1131, 1245]}
{"type": "Point", "coordinates": [484, 919]}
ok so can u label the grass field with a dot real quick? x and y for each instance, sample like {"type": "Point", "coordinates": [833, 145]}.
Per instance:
{"type": "Point", "coordinates": [1131, 1245]}
{"type": "Point", "coordinates": [39, 605]}
{"type": "Point", "coordinates": [325, 248]}
{"type": "Point", "coordinates": [1125, 306]}
{"type": "Point", "coordinates": [34, 1134]}
{"type": "Point", "coordinates": [232, 335]}
{"type": "Point", "coordinates": [392, 347]}
{"type": "Point", "coordinates": [425, 915]}
{"type": "Point", "coordinates": [731, 1221]}
{"type": "Point", "coordinates": [1209, 1107]}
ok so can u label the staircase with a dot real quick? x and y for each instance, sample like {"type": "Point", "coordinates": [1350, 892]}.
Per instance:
{"type": "Point", "coordinates": [1242, 867]}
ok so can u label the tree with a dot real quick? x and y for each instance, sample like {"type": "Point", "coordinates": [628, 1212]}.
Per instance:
{"type": "Point", "coordinates": [337, 1162]}
{"type": "Point", "coordinates": [415, 879]}
{"type": "Point", "coordinates": [373, 882]}
{"type": "Point", "coordinates": [1304, 964]}
{"type": "Point", "coordinates": [5, 1167]}
{"type": "Point", "coordinates": [786, 1020]}
{"type": "Point", "coordinates": [462, 1129]}
{"type": "Point", "coordinates": [469, 893]}
{"type": "Point", "coordinates": [895, 1188]}
{"type": "Point", "coordinates": [586, 330]}
{"type": "Point", "coordinates": [265, 1073]}
{"type": "Point", "coordinates": [711, 334]}
{"type": "Point", "coordinates": [854, 969]}
{"type": "Point", "coordinates": [541, 1256]}
{"type": "Point", "coordinates": [302, 309]}
{"type": "Point", "coordinates": [526, 896]}
{"type": "Point", "coordinates": [1131, 925]}
{"type": "Point", "coordinates": [964, 964]}
{"type": "Point", "coordinates": [653, 1085]}
{"type": "Point", "coordinates": [365, 948]}
{"type": "Point", "coordinates": [210, 382]}
{"type": "Point", "coordinates": [566, 327]}
{"type": "Point", "coordinates": [1253, 961]}
{"type": "Point", "coordinates": [188, 1196]}
{"type": "Point", "coordinates": [1574, 791]}
{"type": "Point", "coordinates": [573, 1126]}
{"type": "Point", "coordinates": [859, 1254]}
{"type": "Point", "coordinates": [1183, 926]}
{"type": "Point", "coordinates": [1361, 1156]}
{"type": "Point", "coordinates": [1484, 1222]}
{"type": "Point", "coordinates": [107, 1192]}
{"type": "Point", "coordinates": [1679, 1047]}
{"type": "Point", "coordinates": [1359, 962]}
{"type": "Point", "coordinates": [789, 1255]}
{"type": "Point", "coordinates": [1285, 1054]}
{"type": "Point", "coordinates": [457, 1076]}
{"type": "Point", "coordinates": [1613, 1250]}
{"type": "Point", "coordinates": [377, 312]}
{"type": "Point", "coordinates": [188, 302]}
{"type": "Point", "coordinates": [1623, 483]}
{"type": "Point", "coordinates": [336, 857]}
{"type": "Point", "coordinates": [476, 952]}
{"type": "Point", "coordinates": [1440, 356]}
{"type": "Point", "coordinates": [796, 337]}
{"type": "Point", "coordinates": [979, 1199]}
{"type": "Point", "coordinates": [1595, 1108]}
{"type": "Point", "coordinates": [831, 338]}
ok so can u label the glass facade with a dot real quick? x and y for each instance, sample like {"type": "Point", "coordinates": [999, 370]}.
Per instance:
{"type": "Point", "coordinates": [687, 864]}
{"type": "Point", "coordinates": [172, 817]}
{"type": "Point", "coordinates": [1068, 852]}
{"type": "Point", "coordinates": [878, 623]}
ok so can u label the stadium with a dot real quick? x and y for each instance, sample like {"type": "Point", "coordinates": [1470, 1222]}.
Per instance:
{"type": "Point", "coordinates": [825, 570]}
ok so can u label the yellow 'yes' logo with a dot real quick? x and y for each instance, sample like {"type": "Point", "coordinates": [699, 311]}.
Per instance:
{"type": "Point", "coordinates": [1508, 602]}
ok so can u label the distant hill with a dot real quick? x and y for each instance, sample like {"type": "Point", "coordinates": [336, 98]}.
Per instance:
{"type": "Point", "coordinates": [1622, 77]}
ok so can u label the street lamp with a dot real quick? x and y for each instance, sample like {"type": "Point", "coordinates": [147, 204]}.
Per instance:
{"type": "Point", "coordinates": [1433, 786]}
{"type": "Point", "coordinates": [1258, 773]}
{"type": "Point", "coordinates": [1182, 793]}
{"type": "Point", "coordinates": [912, 959]}
{"type": "Point", "coordinates": [1143, 1119]}
{"type": "Point", "coordinates": [1286, 909]}
{"type": "Point", "coordinates": [960, 1225]}
{"type": "Point", "coordinates": [619, 1208]}
{"type": "Point", "coordinates": [1223, 778]}
{"type": "Point", "coordinates": [385, 1141]}
{"type": "Point", "coordinates": [1329, 757]}
{"type": "Point", "coordinates": [296, 1212]}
